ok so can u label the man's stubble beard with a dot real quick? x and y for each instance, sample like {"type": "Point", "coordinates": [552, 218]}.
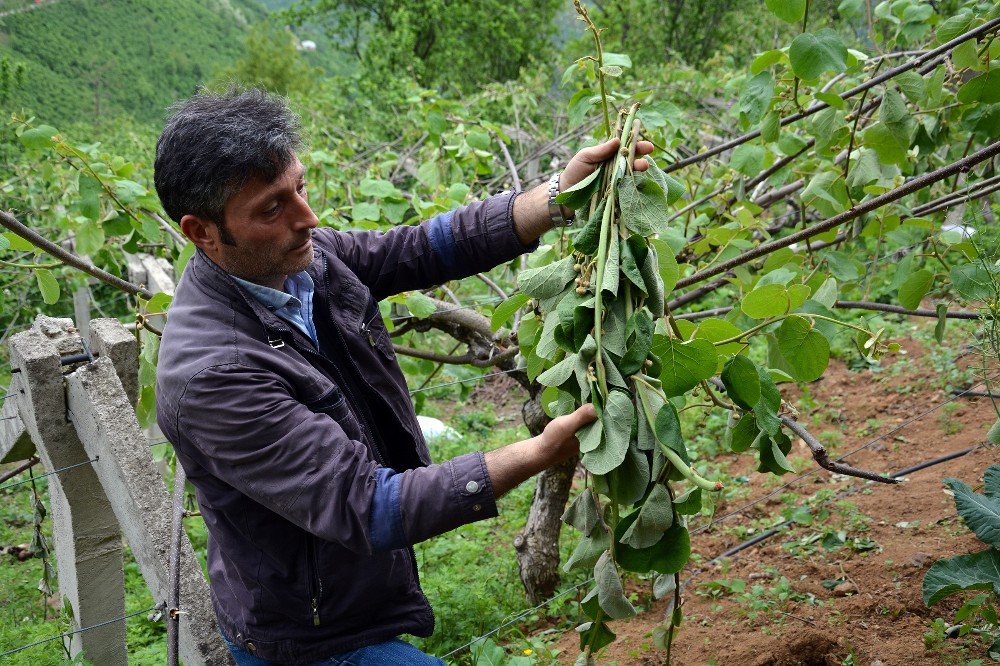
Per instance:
{"type": "Point", "coordinates": [262, 265]}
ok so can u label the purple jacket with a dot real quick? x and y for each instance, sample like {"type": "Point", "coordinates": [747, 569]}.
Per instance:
{"type": "Point", "coordinates": [288, 447]}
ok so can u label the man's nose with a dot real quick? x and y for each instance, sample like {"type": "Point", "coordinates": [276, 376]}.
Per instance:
{"type": "Point", "coordinates": [304, 216]}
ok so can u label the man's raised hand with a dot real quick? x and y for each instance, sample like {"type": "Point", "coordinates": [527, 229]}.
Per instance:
{"type": "Point", "coordinates": [587, 160]}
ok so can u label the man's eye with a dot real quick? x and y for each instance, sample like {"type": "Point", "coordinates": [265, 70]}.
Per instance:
{"type": "Point", "coordinates": [273, 210]}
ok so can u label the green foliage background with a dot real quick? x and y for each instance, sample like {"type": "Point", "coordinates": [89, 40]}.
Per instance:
{"type": "Point", "coordinates": [124, 58]}
{"type": "Point", "coordinates": [408, 112]}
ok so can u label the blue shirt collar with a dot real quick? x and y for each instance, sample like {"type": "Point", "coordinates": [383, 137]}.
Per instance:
{"type": "Point", "coordinates": [272, 299]}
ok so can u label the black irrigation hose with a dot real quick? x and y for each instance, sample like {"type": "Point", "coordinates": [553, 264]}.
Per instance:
{"type": "Point", "coordinates": [850, 491]}
{"type": "Point", "coordinates": [788, 484]}
{"type": "Point", "coordinates": [749, 543]}
{"type": "Point", "coordinates": [81, 630]}
{"type": "Point", "coordinates": [974, 394]}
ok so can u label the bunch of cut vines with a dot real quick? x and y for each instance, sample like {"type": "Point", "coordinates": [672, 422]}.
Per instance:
{"type": "Point", "coordinates": [602, 324]}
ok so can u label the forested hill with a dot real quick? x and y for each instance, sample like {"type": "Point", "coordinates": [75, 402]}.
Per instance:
{"type": "Point", "coordinates": [91, 60]}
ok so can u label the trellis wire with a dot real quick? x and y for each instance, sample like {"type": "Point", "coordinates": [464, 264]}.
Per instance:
{"type": "Point", "coordinates": [518, 617]}
{"type": "Point", "coordinates": [475, 304]}
{"type": "Point", "coordinates": [81, 630]}
{"type": "Point", "coordinates": [63, 469]}
{"type": "Point", "coordinates": [469, 379]}
{"type": "Point", "coordinates": [55, 471]}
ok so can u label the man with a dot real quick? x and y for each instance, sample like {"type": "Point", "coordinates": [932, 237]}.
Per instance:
{"type": "Point", "coordinates": [278, 386]}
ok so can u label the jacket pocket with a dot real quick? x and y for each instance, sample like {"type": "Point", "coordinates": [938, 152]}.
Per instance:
{"type": "Point", "coordinates": [333, 403]}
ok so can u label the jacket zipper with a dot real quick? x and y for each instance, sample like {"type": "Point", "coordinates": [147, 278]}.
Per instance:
{"type": "Point", "coordinates": [362, 408]}
{"type": "Point", "coordinates": [317, 582]}
{"type": "Point", "coordinates": [367, 330]}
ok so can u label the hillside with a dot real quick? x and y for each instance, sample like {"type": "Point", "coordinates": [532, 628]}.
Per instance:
{"type": "Point", "coordinates": [93, 60]}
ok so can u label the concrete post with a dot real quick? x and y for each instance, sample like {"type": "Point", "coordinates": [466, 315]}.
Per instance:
{"type": "Point", "coordinates": [88, 543]}
{"type": "Point", "coordinates": [110, 339]}
{"type": "Point", "coordinates": [15, 442]}
{"type": "Point", "coordinates": [107, 425]}
{"type": "Point", "coordinates": [136, 271]}
{"type": "Point", "coordinates": [159, 274]}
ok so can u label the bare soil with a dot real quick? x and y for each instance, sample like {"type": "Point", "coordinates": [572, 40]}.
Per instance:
{"type": "Point", "coordinates": [877, 615]}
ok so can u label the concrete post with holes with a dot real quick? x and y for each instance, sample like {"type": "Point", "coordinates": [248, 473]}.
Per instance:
{"type": "Point", "coordinates": [88, 543]}
{"type": "Point", "coordinates": [106, 422]}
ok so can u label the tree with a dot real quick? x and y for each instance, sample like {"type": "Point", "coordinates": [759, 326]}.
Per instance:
{"type": "Point", "coordinates": [446, 45]}
{"type": "Point", "coordinates": [272, 61]}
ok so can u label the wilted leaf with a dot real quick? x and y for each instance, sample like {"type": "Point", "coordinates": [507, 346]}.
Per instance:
{"type": "Point", "coordinates": [618, 418]}
{"type": "Point", "coordinates": [683, 364]}
{"type": "Point", "coordinates": [582, 513]}
{"type": "Point", "coordinates": [643, 203]}
{"type": "Point", "coordinates": [547, 281]}
{"type": "Point", "coordinates": [610, 592]}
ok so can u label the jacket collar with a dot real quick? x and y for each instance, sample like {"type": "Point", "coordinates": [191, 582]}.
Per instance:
{"type": "Point", "coordinates": [206, 273]}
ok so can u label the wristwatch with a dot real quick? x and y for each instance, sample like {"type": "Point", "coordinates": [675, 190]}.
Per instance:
{"type": "Point", "coordinates": [555, 210]}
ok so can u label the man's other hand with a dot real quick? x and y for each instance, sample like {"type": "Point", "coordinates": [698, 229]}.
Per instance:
{"type": "Point", "coordinates": [512, 464]}
{"type": "Point", "coordinates": [559, 437]}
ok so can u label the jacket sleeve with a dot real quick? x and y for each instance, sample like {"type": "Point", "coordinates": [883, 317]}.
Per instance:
{"type": "Point", "coordinates": [247, 429]}
{"type": "Point", "coordinates": [449, 246]}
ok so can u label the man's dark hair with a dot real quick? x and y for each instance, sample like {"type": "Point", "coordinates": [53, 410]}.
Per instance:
{"type": "Point", "coordinates": [213, 144]}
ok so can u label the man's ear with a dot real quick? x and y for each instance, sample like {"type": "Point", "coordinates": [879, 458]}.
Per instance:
{"type": "Point", "coordinates": [203, 233]}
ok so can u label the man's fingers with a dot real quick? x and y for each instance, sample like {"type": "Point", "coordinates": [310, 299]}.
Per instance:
{"type": "Point", "coordinates": [584, 415]}
{"type": "Point", "coordinates": [600, 152]}
{"type": "Point", "coordinates": [644, 148]}
{"type": "Point", "coordinates": [566, 426]}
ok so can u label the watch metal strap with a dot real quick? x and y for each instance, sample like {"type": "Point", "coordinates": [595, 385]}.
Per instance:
{"type": "Point", "coordinates": [555, 210]}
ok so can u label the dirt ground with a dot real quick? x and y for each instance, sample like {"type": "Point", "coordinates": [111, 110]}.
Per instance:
{"type": "Point", "coordinates": [876, 615]}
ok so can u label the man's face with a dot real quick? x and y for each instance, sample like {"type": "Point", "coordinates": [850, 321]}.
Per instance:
{"type": "Point", "coordinates": [270, 228]}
